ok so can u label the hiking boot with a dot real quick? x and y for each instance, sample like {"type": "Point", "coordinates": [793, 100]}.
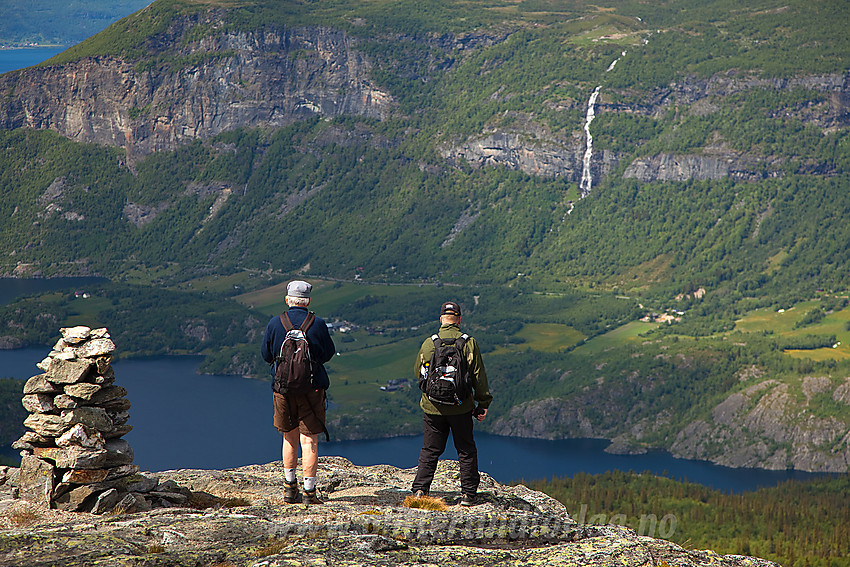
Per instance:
{"type": "Point", "coordinates": [420, 494]}
{"type": "Point", "coordinates": [311, 497]}
{"type": "Point", "coordinates": [468, 499]}
{"type": "Point", "coordinates": [290, 492]}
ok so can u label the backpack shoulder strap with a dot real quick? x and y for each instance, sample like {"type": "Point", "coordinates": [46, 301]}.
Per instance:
{"type": "Point", "coordinates": [287, 324]}
{"type": "Point", "coordinates": [461, 341]}
{"type": "Point", "coordinates": [307, 321]}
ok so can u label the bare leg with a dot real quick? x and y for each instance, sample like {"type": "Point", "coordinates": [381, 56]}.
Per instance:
{"type": "Point", "coordinates": [290, 449]}
{"type": "Point", "coordinates": [309, 454]}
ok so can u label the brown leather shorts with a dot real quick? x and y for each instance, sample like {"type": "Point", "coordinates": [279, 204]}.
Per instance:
{"type": "Point", "coordinates": [304, 411]}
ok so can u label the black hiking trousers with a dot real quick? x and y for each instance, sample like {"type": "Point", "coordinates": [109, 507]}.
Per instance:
{"type": "Point", "coordinates": [437, 428]}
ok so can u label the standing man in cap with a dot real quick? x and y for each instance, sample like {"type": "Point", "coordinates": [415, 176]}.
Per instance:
{"type": "Point", "coordinates": [300, 416]}
{"type": "Point", "coordinates": [440, 419]}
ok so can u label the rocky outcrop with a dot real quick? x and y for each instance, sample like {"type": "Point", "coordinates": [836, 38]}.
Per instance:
{"type": "Point", "coordinates": [671, 167]}
{"type": "Point", "coordinates": [9, 343]}
{"type": "Point", "coordinates": [196, 89]}
{"type": "Point", "coordinates": [526, 152]}
{"type": "Point", "coordinates": [764, 425]}
{"type": "Point", "coordinates": [701, 96]}
{"type": "Point", "coordinates": [237, 517]}
{"type": "Point", "coordinates": [518, 152]}
{"type": "Point", "coordinates": [547, 418]}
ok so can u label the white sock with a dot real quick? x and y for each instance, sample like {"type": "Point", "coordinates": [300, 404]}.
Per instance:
{"type": "Point", "coordinates": [309, 483]}
{"type": "Point", "coordinates": [290, 475]}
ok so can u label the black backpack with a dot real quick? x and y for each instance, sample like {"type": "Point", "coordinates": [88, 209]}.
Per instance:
{"type": "Point", "coordinates": [294, 368]}
{"type": "Point", "coordinates": [446, 379]}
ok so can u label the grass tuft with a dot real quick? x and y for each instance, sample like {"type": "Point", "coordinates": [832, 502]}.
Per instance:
{"type": "Point", "coordinates": [23, 518]}
{"type": "Point", "coordinates": [425, 503]}
{"type": "Point", "coordinates": [272, 547]}
{"type": "Point", "coordinates": [238, 502]}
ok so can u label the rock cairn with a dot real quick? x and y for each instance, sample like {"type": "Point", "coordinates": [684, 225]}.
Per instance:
{"type": "Point", "coordinates": [73, 456]}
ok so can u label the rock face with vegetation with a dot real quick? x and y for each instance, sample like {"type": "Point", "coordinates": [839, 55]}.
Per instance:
{"type": "Point", "coordinates": [764, 424]}
{"type": "Point", "coordinates": [237, 517]}
{"type": "Point", "coordinates": [195, 89]}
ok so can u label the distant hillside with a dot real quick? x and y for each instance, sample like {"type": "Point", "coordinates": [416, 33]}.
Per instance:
{"type": "Point", "coordinates": [713, 160]}
{"type": "Point", "coordinates": [58, 22]}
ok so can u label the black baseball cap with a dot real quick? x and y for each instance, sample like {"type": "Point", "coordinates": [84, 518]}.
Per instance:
{"type": "Point", "coordinates": [450, 308]}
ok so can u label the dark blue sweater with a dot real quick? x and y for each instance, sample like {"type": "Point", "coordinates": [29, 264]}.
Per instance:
{"type": "Point", "coordinates": [322, 347]}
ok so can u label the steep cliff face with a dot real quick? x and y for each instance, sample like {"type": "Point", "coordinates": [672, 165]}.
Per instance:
{"type": "Point", "coordinates": [199, 78]}
{"type": "Point", "coordinates": [196, 89]}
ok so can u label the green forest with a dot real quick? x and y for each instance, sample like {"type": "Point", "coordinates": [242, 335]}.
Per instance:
{"type": "Point", "coordinates": [796, 524]}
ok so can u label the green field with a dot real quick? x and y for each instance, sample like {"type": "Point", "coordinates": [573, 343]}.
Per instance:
{"type": "Point", "coordinates": [630, 332]}
{"type": "Point", "coordinates": [784, 323]}
{"type": "Point", "coordinates": [779, 321]}
{"type": "Point", "coordinates": [543, 337]}
{"type": "Point", "coordinates": [357, 376]}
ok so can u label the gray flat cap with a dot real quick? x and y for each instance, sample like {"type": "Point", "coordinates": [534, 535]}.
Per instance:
{"type": "Point", "coordinates": [298, 288]}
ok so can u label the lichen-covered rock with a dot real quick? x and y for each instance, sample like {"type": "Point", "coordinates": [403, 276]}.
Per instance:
{"type": "Point", "coordinates": [33, 438]}
{"type": "Point", "coordinates": [40, 385]}
{"type": "Point", "coordinates": [362, 522]}
{"type": "Point", "coordinates": [36, 480]}
{"type": "Point", "coordinates": [85, 476]}
{"type": "Point", "coordinates": [110, 398]}
{"type": "Point", "coordinates": [93, 417]}
{"type": "Point", "coordinates": [83, 391]}
{"type": "Point", "coordinates": [74, 457]}
{"type": "Point", "coordinates": [74, 499]}
{"type": "Point", "coordinates": [106, 501]}
{"type": "Point", "coordinates": [47, 425]}
{"type": "Point", "coordinates": [67, 371]}
{"type": "Point", "coordinates": [64, 401]}
{"type": "Point", "coordinates": [75, 335]}
{"type": "Point", "coordinates": [119, 452]}
{"type": "Point", "coordinates": [81, 436]}
{"type": "Point", "coordinates": [94, 348]}
{"type": "Point", "coordinates": [38, 403]}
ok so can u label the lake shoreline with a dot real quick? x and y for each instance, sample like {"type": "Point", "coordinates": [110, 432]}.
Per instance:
{"type": "Point", "coordinates": [190, 362]}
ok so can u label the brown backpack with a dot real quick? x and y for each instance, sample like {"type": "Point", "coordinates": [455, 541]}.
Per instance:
{"type": "Point", "coordinates": [294, 367]}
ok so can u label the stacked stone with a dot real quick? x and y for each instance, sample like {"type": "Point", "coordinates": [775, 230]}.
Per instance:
{"type": "Point", "coordinates": [73, 456]}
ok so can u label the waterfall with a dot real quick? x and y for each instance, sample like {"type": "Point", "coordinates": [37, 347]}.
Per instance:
{"type": "Point", "coordinates": [586, 180]}
{"type": "Point", "coordinates": [615, 61]}
{"type": "Point", "coordinates": [584, 186]}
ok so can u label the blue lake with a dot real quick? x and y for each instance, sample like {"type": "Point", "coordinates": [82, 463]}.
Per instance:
{"type": "Point", "coordinates": [11, 59]}
{"type": "Point", "coordinates": [185, 420]}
